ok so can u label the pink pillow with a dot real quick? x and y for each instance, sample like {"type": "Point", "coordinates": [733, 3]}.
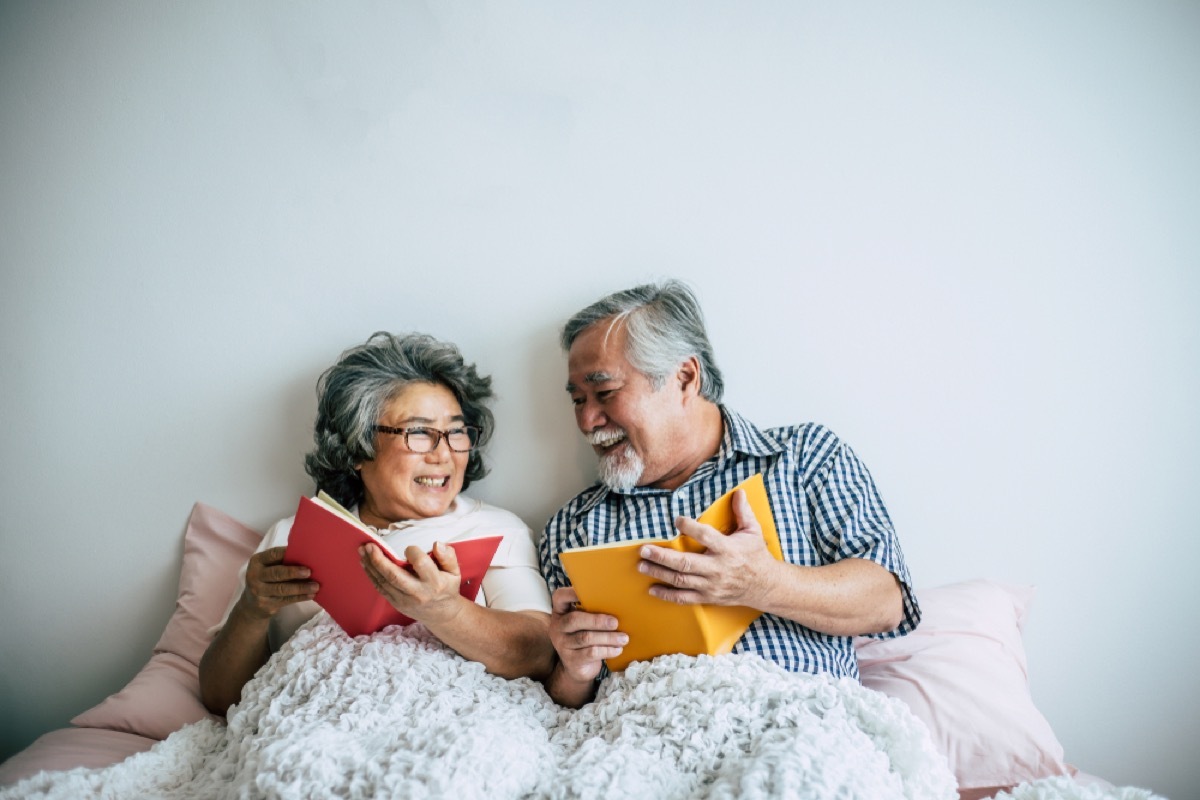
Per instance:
{"type": "Point", "coordinates": [214, 549]}
{"type": "Point", "coordinates": [165, 695]}
{"type": "Point", "coordinates": [963, 673]}
{"type": "Point", "coordinates": [162, 698]}
{"type": "Point", "coordinates": [67, 748]}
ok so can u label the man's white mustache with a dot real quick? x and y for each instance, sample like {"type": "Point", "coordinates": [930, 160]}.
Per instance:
{"type": "Point", "coordinates": [605, 436]}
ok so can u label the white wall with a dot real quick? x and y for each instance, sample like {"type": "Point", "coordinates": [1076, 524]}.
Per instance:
{"type": "Point", "coordinates": [963, 235]}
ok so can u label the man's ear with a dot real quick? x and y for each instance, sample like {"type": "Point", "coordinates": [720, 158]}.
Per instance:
{"type": "Point", "coordinates": [688, 376]}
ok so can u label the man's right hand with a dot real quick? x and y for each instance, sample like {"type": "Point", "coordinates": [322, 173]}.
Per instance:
{"type": "Point", "coordinates": [582, 641]}
{"type": "Point", "coordinates": [271, 584]}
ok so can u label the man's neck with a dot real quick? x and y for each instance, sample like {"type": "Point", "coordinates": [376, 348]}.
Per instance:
{"type": "Point", "coordinates": [708, 430]}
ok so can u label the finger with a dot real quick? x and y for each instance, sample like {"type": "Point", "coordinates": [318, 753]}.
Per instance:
{"type": "Point", "coordinates": [684, 577]}
{"type": "Point", "coordinates": [294, 592]}
{"type": "Point", "coordinates": [683, 597]}
{"type": "Point", "coordinates": [383, 571]}
{"type": "Point", "coordinates": [286, 589]}
{"type": "Point", "coordinates": [273, 555]}
{"type": "Point", "coordinates": [382, 585]}
{"type": "Point", "coordinates": [600, 653]}
{"type": "Point", "coordinates": [426, 568]}
{"type": "Point", "coordinates": [577, 622]}
{"type": "Point", "coordinates": [367, 557]}
{"type": "Point", "coordinates": [706, 536]}
{"type": "Point", "coordinates": [571, 618]}
{"type": "Point", "coordinates": [743, 512]}
{"type": "Point", "coordinates": [564, 600]}
{"type": "Point", "coordinates": [283, 573]}
{"type": "Point", "coordinates": [585, 640]}
{"type": "Point", "coordinates": [659, 561]}
{"type": "Point", "coordinates": [446, 558]}
{"type": "Point", "coordinates": [382, 582]}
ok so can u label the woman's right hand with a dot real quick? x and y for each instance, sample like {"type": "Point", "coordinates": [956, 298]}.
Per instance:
{"type": "Point", "coordinates": [240, 648]}
{"type": "Point", "coordinates": [271, 584]}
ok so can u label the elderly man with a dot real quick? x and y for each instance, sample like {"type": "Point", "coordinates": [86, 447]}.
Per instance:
{"type": "Point", "coordinates": [647, 395]}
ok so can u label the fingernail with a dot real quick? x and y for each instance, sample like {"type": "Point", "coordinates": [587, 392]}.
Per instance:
{"type": "Point", "coordinates": [623, 639]}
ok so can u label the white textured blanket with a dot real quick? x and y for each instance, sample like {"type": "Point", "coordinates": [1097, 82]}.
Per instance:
{"type": "Point", "coordinates": [399, 715]}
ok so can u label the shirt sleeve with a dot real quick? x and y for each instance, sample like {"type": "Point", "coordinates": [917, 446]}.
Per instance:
{"type": "Point", "coordinates": [514, 582]}
{"type": "Point", "coordinates": [851, 521]}
{"type": "Point", "coordinates": [551, 545]}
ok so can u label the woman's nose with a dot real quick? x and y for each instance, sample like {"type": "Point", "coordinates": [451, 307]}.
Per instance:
{"type": "Point", "coordinates": [440, 452]}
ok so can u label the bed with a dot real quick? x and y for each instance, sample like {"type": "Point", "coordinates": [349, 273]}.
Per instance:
{"type": "Point", "coordinates": [942, 713]}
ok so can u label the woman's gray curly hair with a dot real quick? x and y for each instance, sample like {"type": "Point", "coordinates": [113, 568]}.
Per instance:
{"type": "Point", "coordinates": [353, 393]}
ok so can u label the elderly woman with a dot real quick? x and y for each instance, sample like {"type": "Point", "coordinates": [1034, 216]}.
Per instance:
{"type": "Point", "coordinates": [401, 423]}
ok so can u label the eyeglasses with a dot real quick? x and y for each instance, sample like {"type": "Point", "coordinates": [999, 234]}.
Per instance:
{"type": "Point", "coordinates": [426, 440]}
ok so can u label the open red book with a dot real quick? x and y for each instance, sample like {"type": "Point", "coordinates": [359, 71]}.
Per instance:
{"type": "Point", "coordinates": [325, 538]}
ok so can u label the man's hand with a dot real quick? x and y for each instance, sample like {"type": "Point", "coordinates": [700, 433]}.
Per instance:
{"type": "Point", "coordinates": [582, 641]}
{"type": "Point", "coordinates": [736, 569]}
{"type": "Point", "coordinates": [271, 584]}
{"type": "Point", "coordinates": [431, 595]}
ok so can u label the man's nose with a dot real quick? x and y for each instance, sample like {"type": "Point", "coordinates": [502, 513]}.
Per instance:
{"type": "Point", "coordinates": [589, 417]}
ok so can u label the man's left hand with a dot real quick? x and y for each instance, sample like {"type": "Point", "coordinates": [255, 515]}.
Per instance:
{"type": "Point", "coordinates": [735, 570]}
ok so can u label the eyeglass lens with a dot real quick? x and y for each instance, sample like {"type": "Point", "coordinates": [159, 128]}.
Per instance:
{"type": "Point", "coordinates": [423, 440]}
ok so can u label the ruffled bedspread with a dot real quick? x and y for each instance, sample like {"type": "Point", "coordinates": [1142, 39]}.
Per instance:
{"type": "Point", "coordinates": [399, 715]}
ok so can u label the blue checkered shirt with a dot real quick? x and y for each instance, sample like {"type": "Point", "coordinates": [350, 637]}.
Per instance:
{"type": "Point", "coordinates": [826, 508]}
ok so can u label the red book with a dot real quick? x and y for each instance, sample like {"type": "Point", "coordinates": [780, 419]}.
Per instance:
{"type": "Point", "coordinates": [325, 538]}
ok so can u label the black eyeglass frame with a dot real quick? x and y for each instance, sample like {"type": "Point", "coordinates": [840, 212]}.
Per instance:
{"type": "Point", "coordinates": [472, 431]}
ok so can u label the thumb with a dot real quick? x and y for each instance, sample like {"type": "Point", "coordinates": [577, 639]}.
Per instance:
{"type": "Point", "coordinates": [446, 558]}
{"type": "Point", "coordinates": [564, 600]}
{"type": "Point", "coordinates": [743, 512]}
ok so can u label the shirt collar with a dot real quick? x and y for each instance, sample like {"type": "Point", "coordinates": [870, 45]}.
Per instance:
{"type": "Point", "coordinates": [457, 508]}
{"type": "Point", "coordinates": [742, 436]}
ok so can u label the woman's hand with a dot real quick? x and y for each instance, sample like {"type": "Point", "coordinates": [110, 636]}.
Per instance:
{"type": "Point", "coordinates": [431, 595]}
{"type": "Point", "coordinates": [512, 644]}
{"type": "Point", "coordinates": [271, 584]}
{"type": "Point", "coordinates": [241, 646]}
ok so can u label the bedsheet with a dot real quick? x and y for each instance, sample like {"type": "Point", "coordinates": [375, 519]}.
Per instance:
{"type": "Point", "coordinates": [67, 748]}
{"type": "Point", "coordinates": [398, 714]}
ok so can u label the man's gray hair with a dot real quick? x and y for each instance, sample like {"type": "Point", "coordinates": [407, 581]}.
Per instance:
{"type": "Point", "coordinates": [353, 393]}
{"type": "Point", "coordinates": [664, 327]}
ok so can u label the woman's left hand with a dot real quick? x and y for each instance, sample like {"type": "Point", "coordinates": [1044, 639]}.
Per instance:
{"type": "Point", "coordinates": [431, 595]}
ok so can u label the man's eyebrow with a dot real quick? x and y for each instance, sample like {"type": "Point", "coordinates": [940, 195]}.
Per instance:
{"type": "Point", "coordinates": [591, 378]}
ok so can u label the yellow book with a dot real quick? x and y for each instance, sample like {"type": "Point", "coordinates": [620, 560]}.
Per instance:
{"type": "Point", "coordinates": [606, 578]}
